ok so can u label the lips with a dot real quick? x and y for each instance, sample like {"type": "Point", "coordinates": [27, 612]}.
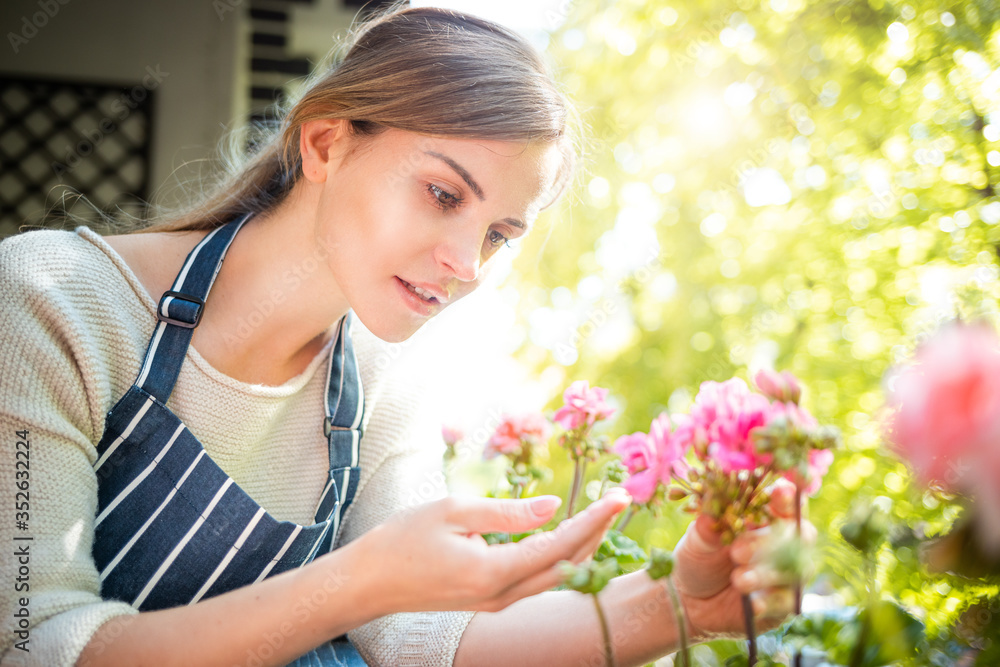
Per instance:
{"type": "Point", "coordinates": [432, 296]}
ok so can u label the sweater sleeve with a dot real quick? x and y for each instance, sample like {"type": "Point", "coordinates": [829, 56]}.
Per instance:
{"type": "Point", "coordinates": [55, 607]}
{"type": "Point", "coordinates": [408, 476]}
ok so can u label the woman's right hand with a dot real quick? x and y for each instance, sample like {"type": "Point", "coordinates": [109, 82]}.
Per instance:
{"type": "Point", "coordinates": [435, 558]}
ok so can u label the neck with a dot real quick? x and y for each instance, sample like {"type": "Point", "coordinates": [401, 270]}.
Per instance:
{"type": "Point", "coordinates": [275, 303]}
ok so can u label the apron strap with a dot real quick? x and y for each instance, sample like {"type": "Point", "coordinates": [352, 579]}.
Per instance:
{"type": "Point", "coordinates": [344, 406]}
{"type": "Point", "coordinates": [179, 311]}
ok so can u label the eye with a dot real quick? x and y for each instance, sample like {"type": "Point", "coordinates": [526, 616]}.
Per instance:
{"type": "Point", "coordinates": [496, 239]}
{"type": "Point", "coordinates": [444, 199]}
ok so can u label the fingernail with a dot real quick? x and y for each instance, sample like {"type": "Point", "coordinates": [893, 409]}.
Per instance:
{"type": "Point", "coordinates": [545, 505]}
{"type": "Point", "coordinates": [749, 580]}
{"type": "Point", "coordinates": [619, 492]}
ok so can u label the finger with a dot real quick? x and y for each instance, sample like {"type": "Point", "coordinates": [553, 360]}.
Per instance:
{"type": "Point", "coordinates": [537, 583]}
{"type": "Point", "coordinates": [749, 579]}
{"type": "Point", "coordinates": [543, 550]}
{"type": "Point", "coordinates": [492, 515]}
{"type": "Point", "coordinates": [771, 606]}
{"type": "Point", "coordinates": [705, 538]}
{"type": "Point", "coordinates": [754, 545]}
{"type": "Point", "coordinates": [589, 548]}
{"type": "Point", "coordinates": [551, 577]}
{"type": "Point", "coordinates": [782, 503]}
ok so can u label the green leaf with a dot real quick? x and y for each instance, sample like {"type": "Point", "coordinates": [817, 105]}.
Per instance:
{"type": "Point", "coordinates": [618, 546]}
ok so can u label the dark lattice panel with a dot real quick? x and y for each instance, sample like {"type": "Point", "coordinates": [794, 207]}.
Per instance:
{"type": "Point", "coordinates": [271, 67]}
{"type": "Point", "coordinates": [59, 138]}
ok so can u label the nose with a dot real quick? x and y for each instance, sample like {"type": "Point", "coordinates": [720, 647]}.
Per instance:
{"type": "Point", "coordinates": [460, 257]}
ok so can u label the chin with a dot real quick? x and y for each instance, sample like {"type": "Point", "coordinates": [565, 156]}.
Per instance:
{"type": "Point", "coordinates": [388, 333]}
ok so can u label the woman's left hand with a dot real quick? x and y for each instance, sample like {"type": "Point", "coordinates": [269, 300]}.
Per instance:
{"type": "Point", "coordinates": [711, 578]}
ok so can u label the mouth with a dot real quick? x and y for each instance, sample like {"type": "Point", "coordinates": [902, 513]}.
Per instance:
{"type": "Point", "coordinates": [421, 293]}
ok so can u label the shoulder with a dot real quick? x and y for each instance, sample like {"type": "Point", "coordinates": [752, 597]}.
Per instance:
{"type": "Point", "coordinates": [64, 266]}
{"type": "Point", "coordinates": [74, 323]}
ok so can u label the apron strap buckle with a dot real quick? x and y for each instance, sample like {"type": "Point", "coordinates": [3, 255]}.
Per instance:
{"type": "Point", "coordinates": [180, 309]}
{"type": "Point", "coordinates": [329, 427]}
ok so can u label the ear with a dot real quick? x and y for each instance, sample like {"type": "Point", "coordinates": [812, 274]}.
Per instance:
{"type": "Point", "coordinates": [320, 145]}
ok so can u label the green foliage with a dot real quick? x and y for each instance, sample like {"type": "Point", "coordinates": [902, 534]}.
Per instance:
{"type": "Point", "coordinates": [661, 563]}
{"type": "Point", "coordinates": [805, 184]}
{"type": "Point", "coordinates": [620, 547]}
{"type": "Point", "coordinates": [866, 528]}
{"type": "Point", "coordinates": [589, 577]}
{"type": "Point", "coordinates": [884, 634]}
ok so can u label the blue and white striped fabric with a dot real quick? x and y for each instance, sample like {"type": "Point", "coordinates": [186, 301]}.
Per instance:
{"type": "Point", "coordinates": [172, 528]}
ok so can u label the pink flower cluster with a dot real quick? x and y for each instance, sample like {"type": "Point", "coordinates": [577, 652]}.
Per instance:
{"type": "Point", "coordinates": [819, 460]}
{"type": "Point", "coordinates": [516, 434]}
{"type": "Point", "coordinates": [720, 421]}
{"type": "Point", "coordinates": [583, 405]}
{"type": "Point", "coordinates": [720, 429]}
{"type": "Point", "coordinates": [945, 410]}
{"type": "Point", "coordinates": [650, 458]}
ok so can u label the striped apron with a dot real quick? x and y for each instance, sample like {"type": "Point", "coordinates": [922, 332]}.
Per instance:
{"type": "Point", "coordinates": [172, 528]}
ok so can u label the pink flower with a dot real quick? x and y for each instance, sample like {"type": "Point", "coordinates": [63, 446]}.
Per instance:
{"type": "Point", "coordinates": [818, 466]}
{"type": "Point", "coordinates": [720, 422]}
{"type": "Point", "coordinates": [650, 458]}
{"type": "Point", "coordinates": [583, 405]}
{"type": "Point", "coordinates": [946, 406]}
{"type": "Point", "coordinates": [638, 452]}
{"type": "Point", "coordinates": [795, 414]}
{"type": "Point", "coordinates": [781, 386]}
{"type": "Point", "coordinates": [670, 448]}
{"type": "Point", "coordinates": [451, 435]}
{"type": "Point", "coordinates": [516, 434]}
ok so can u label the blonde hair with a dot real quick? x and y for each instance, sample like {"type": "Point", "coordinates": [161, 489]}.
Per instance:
{"type": "Point", "coordinates": [426, 70]}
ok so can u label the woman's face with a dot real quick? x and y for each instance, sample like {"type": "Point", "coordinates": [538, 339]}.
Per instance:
{"type": "Point", "coordinates": [410, 223]}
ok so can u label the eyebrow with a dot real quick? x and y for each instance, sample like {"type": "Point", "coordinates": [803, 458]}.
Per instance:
{"type": "Point", "coordinates": [471, 182]}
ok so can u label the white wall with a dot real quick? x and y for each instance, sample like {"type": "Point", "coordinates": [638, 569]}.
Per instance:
{"type": "Point", "coordinates": [201, 57]}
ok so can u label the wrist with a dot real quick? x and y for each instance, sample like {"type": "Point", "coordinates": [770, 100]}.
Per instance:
{"type": "Point", "coordinates": [695, 633]}
{"type": "Point", "coordinates": [338, 588]}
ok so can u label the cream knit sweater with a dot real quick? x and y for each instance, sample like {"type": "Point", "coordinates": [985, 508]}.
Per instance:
{"type": "Point", "coordinates": [75, 324]}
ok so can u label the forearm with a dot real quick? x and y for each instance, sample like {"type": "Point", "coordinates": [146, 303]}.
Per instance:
{"type": "Point", "coordinates": [562, 628]}
{"type": "Point", "coordinates": [269, 623]}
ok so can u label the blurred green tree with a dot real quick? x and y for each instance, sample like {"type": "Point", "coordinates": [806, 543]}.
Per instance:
{"type": "Point", "coordinates": [799, 183]}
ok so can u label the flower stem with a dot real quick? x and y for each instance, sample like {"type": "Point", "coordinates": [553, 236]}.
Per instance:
{"type": "Point", "coordinates": [626, 518]}
{"type": "Point", "coordinates": [858, 655]}
{"type": "Point", "coordinates": [797, 660]}
{"type": "Point", "coordinates": [681, 626]}
{"type": "Point", "coordinates": [751, 633]}
{"type": "Point", "coordinates": [609, 656]}
{"type": "Point", "coordinates": [578, 474]}
{"type": "Point", "coordinates": [575, 489]}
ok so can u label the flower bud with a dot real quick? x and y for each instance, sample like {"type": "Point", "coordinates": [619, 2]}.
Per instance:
{"type": "Point", "coordinates": [677, 493]}
{"type": "Point", "coordinates": [590, 577]}
{"type": "Point", "coordinates": [451, 435]}
{"type": "Point", "coordinates": [866, 528]}
{"type": "Point", "coordinates": [661, 563]}
{"type": "Point", "coordinates": [777, 386]}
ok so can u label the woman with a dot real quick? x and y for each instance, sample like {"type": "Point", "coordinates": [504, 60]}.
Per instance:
{"type": "Point", "coordinates": [158, 423]}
